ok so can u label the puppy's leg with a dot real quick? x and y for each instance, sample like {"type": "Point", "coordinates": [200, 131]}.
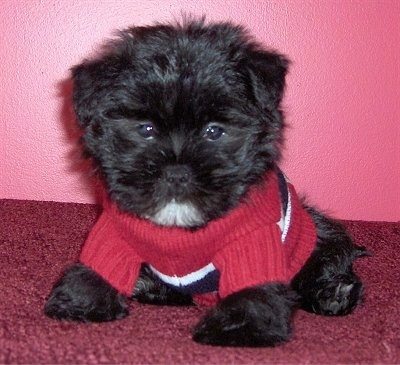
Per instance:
{"type": "Point", "coordinates": [82, 295]}
{"type": "Point", "coordinates": [327, 283]}
{"type": "Point", "coordinates": [253, 317]}
{"type": "Point", "coordinates": [150, 290]}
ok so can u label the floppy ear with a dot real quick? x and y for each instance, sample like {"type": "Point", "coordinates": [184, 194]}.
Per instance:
{"type": "Point", "coordinates": [88, 87]}
{"type": "Point", "coordinates": [267, 72]}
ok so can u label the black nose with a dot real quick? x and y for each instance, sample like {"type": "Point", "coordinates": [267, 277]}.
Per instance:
{"type": "Point", "coordinates": [177, 175]}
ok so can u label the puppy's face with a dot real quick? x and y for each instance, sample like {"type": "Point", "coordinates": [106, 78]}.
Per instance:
{"type": "Point", "coordinates": [181, 121]}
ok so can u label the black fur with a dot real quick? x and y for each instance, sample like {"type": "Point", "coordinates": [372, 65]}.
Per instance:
{"type": "Point", "coordinates": [327, 283]}
{"type": "Point", "coordinates": [82, 295]}
{"type": "Point", "coordinates": [181, 80]}
{"type": "Point", "coordinates": [252, 317]}
{"type": "Point", "coordinates": [191, 113]}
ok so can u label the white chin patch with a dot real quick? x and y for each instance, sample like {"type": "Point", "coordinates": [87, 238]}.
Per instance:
{"type": "Point", "coordinates": [178, 214]}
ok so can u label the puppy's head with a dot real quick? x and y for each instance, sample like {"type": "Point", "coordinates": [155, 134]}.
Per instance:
{"type": "Point", "coordinates": [181, 120]}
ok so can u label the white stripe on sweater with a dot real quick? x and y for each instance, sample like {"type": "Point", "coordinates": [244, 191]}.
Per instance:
{"type": "Point", "coordinates": [284, 223]}
{"type": "Point", "coordinates": [184, 280]}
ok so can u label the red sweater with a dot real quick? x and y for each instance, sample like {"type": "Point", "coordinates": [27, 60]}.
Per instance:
{"type": "Point", "coordinates": [253, 244]}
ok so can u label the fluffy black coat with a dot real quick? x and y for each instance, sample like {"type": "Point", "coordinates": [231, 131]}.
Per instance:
{"type": "Point", "coordinates": [180, 121]}
{"type": "Point", "coordinates": [175, 86]}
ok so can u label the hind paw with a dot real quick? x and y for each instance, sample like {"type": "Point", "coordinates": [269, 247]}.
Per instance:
{"type": "Point", "coordinates": [335, 298]}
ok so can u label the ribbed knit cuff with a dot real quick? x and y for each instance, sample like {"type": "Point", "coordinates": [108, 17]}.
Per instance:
{"type": "Point", "coordinates": [110, 256]}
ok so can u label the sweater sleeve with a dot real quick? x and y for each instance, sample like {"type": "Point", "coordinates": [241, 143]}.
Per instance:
{"type": "Point", "coordinates": [111, 256]}
{"type": "Point", "coordinates": [252, 260]}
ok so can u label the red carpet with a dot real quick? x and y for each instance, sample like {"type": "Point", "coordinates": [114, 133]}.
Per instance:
{"type": "Point", "coordinates": [38, 239]}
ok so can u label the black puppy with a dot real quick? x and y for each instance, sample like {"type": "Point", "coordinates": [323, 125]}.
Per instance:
{"type": "Point", "coordinates": [184, 126]}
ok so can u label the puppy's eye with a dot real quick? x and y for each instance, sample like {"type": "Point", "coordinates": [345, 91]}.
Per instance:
{"type": "Point", "coordinates": [213, 132]}
{"type": "Point", "coordinates": [146, 130]}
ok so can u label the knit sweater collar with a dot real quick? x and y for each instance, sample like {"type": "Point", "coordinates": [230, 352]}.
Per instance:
{"type": "Point", "coordinates": [260, 207]}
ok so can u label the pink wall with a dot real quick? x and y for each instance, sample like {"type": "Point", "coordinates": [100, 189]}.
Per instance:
{"type": "Point", "coordinates": [342, 100]}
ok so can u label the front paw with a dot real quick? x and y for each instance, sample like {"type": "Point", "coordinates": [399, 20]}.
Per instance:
{"type": "Point", "coordinates": [255, 317]}
{"type": "Point", "coordinates": [82, 295]}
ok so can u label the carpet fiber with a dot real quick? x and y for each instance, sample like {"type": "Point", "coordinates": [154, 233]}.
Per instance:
{"type": "Point", "coordinates": [38, 239]}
